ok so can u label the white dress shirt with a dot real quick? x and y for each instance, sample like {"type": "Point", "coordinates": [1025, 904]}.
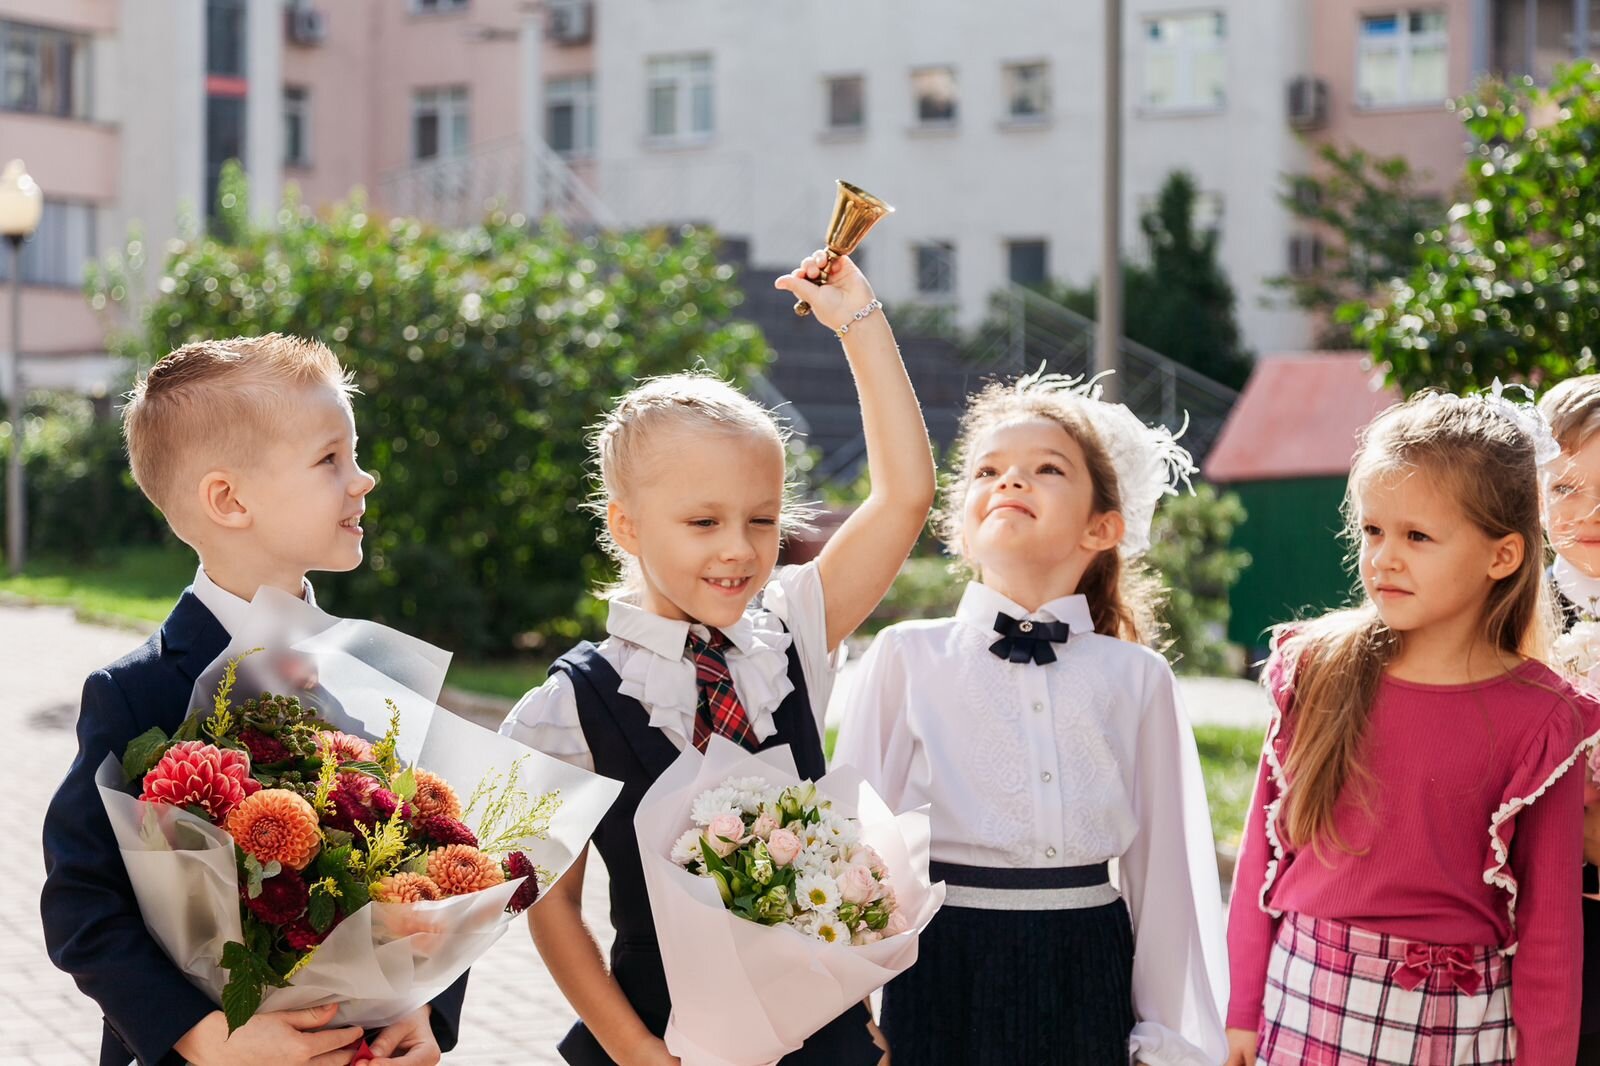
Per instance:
{"type": "Point", "coordinates": [649, 654]}
{"type": "Point", "coordinates": [229, 609]}
{"type": "Point", "coordinates": [1085, 760]}
{"type": "Point", "coordinates": [1581, 590]}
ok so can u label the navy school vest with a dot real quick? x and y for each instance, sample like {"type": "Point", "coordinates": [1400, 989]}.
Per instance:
{"type": "Point", "coordinates": [626, 748]}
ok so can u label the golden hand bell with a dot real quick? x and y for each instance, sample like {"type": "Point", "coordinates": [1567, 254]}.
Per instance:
{"type": "Point", "coordinates": [855, 212]}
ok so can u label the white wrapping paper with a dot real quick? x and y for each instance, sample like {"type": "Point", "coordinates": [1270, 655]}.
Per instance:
{"type": "Point", "coordinates": [387, 959]}
{"type": "Point", "coordinates": [745, 994]}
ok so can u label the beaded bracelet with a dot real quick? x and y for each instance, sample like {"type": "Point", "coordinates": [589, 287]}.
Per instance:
{"type": "Point", "coordinates": [875, 305]}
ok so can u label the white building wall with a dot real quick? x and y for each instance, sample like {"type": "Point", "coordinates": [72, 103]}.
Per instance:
{"type": "Point", "coordinates": [766, 172]}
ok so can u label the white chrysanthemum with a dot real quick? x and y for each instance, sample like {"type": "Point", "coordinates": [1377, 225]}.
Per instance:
{"type": "Point", "coordinates": [817, 892]}
{"type": "Point", "coordinates": [841, 831]}
{"type": "Point", "coordinates": [831, 931]}
{"type": "Point", "coordinates": [711, 803]}
{"type": "Point", "coordinates": [819, 858]}
{"type": "Point", "coordinates": [687, 848]}
{"type": "Point", "coordinates": [806, 921]}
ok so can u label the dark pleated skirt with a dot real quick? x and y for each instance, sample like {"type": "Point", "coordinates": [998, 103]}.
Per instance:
{"type": "Point", "coordinates": [998, 988]}
{"type": "Point", "coordinates": [1589, 1042]}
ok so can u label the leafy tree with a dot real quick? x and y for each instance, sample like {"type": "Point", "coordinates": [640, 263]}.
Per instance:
{"type": "Point", "coordinates": [483, 356]}
{"type": "Point", "coordinates": [1507, 287]}
{"type": "Point", "coordinates": [1189, 548]}
{"type": "Point", "coordinates": [1370, 212]}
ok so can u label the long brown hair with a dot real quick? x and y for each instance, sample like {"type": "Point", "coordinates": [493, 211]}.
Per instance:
{"type": "Point", "coordinates": [1486, 461]}
{"type": "Point", "coordinates": [1124, 596]}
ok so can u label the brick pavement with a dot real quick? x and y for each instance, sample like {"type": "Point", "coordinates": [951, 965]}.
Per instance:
{"type": "Point", "coordinates": [514, 1013]}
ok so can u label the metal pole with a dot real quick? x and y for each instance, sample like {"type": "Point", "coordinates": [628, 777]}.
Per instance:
{"type": "Point", "coordinates": [16, 523]}
{"type": "Point", "coordinates": [1108, 328]}
{"type": "Point", "coordinates": [1530, 31]}
{"type": "Point", "coordinates": [1580, 29]}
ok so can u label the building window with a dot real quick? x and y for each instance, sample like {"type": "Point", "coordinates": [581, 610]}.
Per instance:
{"type": "Point", "coordinates": [1184, 66]}
{"type": "Point", "coordinates": [437, 7]}
{"type": "Point", "coordinates": [1027, 91]}
{"type": "Point", "coordinates": [44, 71]}
{"type": "Point", "coordinates": [679, 92]}
{"type": "Point", "coordinates": [225, 38]}
{"type": "Point", "coordinates": [1401, 59]}
{"type": "Point", "coordinates": [569, 115]}
{"type": "Point", "coordinates": [225, 118]}
{"type": "Point", "coordinates": [934, 89]}
{"type": "Point", "coordinates": [296, 126]}
{"type": "Point", "coordinates": [936, 269]}
{"type": "Point", "coordinates": [846, 103]}
{"type": "Point", "coordinates": [1027, 262]}
{"type": "Point", "coordinates": [440, 123]}
{"type": "Point", "coordinates": [60, 250]}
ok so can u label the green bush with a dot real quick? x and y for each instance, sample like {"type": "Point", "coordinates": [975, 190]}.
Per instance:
{"type": "Point", "coordinates": [483, 356]}
{"type": "Point", "coordinates": [1189, 548]}
{"type": "Point", "coordinates": [80, 496]}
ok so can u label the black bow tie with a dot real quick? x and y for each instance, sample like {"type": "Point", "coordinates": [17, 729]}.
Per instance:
{"type": "Point", "coordinates": [1027, 638]}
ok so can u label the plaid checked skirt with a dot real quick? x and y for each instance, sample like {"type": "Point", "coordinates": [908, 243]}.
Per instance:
{"type": "Point", "coordinates": [1338, 995]}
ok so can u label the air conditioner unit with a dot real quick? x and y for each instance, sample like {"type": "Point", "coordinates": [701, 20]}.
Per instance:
{"type": "Point", "coordinates": [570, 23]}
{"type": "Point", "coordinates": [306, 26]}
{"type": "Point", "coordinates": [1305, 255]}
{"type": "Point", "coordinates": [1308, 103]}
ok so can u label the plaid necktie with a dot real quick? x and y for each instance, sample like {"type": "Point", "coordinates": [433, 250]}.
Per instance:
{"type": "Point", "coordinates": [719, 708]}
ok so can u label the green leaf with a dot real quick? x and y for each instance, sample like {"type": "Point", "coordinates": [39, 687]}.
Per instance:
{"type": "Point", "coordinates": [241, 998]}
{"type": "Point", "coordinates": [371, 769]}
{"type": "Point", "coordinates": [405, 783]}
{"type": "Point", "coordinates": [320, 911]}
{"type": "Point", "coordinates": [143, 752]}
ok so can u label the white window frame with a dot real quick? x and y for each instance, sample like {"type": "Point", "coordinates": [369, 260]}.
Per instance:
{"type": "Point", "coordinates": [1405, 44]}
{"type": "Point", "coordinates": [945, 293]}
{"type": "Point", "coordinates": [438, 7]}
{"type": "Point", "coordinates": [1009, 75]}
{"type": "Point", "coordinates": [1185, 55]}
{"type": "Point", "coordinates": [450, 103]}
{"type": "Point", "coordinates": [297, 107]}
{"type": "Point", "coordinates": [828, 125]}
{"type": "Point", "coordinates": [578, 93]}
{"type": "Point", "coordinates": [917, 121]}
{"type": "Point", "coordinates": [685, 74]}
{"type": "Point", "coordinates": [42, 38]}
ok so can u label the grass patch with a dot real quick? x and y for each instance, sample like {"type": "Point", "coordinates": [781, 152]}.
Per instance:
{"type": "Point", "coordinates": [1228, 759]}
{"type": "Point", "coordinates": [507, 678]}
{"type": "Point", "coordinates": [134, 586]}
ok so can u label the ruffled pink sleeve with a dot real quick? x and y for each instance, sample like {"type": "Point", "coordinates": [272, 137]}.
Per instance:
{"type": "Point", "coordinates": [1535, 856]}
{"type": "Point", "coordinates": [1252, 924]}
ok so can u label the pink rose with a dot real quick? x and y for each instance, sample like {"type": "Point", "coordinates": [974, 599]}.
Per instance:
{"type": "Point", "coordinates": [764, 825]}
{"type": "Point", "coordinates": [898, 923]}
{"type": "Point", "coordinates": [866, 936]}
{"type": "Point", "coordinates": [784, 846]}
{"type": "Point", "coordinates": [726, 833]}
{"type": "Point", "coordinates": [857, 885]}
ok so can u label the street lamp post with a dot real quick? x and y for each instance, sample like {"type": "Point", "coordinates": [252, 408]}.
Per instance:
{"type": "Point", "coordinates": [21, 204]}
{"type": "Point", "coordinates": [1108, 328]}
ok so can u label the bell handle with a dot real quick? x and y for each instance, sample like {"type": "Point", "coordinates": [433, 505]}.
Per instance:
{"type": "Point", "coordinates": [802, 308]}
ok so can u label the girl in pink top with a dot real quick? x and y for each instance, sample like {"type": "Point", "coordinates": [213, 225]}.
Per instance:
{"type": "Point", "coordinates": [1395, 857]}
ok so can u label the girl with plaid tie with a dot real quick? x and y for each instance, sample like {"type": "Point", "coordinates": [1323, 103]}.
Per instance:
{"type": "Point", "coordinates": [705, 636]}
{"type": "Point", "coordinates": [1049, 741]}
{"type": "Point", "coordinates": [1414, 820]}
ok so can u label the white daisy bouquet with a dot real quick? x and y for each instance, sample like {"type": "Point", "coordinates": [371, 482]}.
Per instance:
{"type": "Point", "coordinates": [785, 856]}
{"type": "Point", "coordinates": [779, 903]}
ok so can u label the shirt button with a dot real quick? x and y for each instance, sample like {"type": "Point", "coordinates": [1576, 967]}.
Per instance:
{"type": "Point", "coordinates": [1045, 776]}
{"type": "Point", "coordinates": [1038, 706]}
{"type": "Point", "coordinates": [1049, 853]}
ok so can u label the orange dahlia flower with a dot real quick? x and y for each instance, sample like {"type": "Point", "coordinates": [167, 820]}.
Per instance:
{"type": "Point", "coordinates": [343, 746]}
{"type": "Point", "coordinates": [406, 888]}
{"type": "Point", "coordinates": [276, 825]}
{"type": "Point", "coordinates": [435, 796]}
{"type": "Point", "coordinates": [459, 869]}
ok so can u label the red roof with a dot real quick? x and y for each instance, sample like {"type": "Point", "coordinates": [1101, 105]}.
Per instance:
{"type": "Point", "coordinates": [1298, 417]}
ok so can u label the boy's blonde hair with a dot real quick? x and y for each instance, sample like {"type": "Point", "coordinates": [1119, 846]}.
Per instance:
{"type": "Point", "coordinates": [1124, 596]}
{"type": "Point", "coordinates": [210, 403]}
{"type": "Point", "coordinates": [694, 401]}
{"type": "Point", "coordinates": [1573, 410]}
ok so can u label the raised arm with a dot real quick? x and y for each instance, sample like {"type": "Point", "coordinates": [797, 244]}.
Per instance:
{"type": "Point", "coordinates": [862, 559]}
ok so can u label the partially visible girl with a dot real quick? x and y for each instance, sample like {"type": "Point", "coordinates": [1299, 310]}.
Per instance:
{"type": "Point", "coordinates": [1415, 821]}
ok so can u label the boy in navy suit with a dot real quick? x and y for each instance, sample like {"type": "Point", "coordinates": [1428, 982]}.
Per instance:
{"type": "Point", "coordinates": [248, 447]}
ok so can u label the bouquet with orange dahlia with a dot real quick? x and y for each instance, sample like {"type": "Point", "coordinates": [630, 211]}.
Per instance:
{"type": "Point", "coordinates": [290, 850]}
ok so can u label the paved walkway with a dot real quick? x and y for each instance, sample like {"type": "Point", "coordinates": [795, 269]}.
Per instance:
{"type": "Point", "coordinates": [514, 1013]}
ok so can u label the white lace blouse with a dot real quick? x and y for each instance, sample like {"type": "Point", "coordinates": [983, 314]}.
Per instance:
{"type": "Point", "coordinates": [1088, 759]}
{"type": "Point", "coordinates": [647, 651]}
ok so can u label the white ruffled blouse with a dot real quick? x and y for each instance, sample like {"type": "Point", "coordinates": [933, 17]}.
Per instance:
{"type": "Point", "coordinates": [1088, 759]}
{"type": "Point", "coordinates": [649, 655]}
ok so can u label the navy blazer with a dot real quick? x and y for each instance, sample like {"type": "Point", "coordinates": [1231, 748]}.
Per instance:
{"type": "Point", "coordinates": [92, 926]}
